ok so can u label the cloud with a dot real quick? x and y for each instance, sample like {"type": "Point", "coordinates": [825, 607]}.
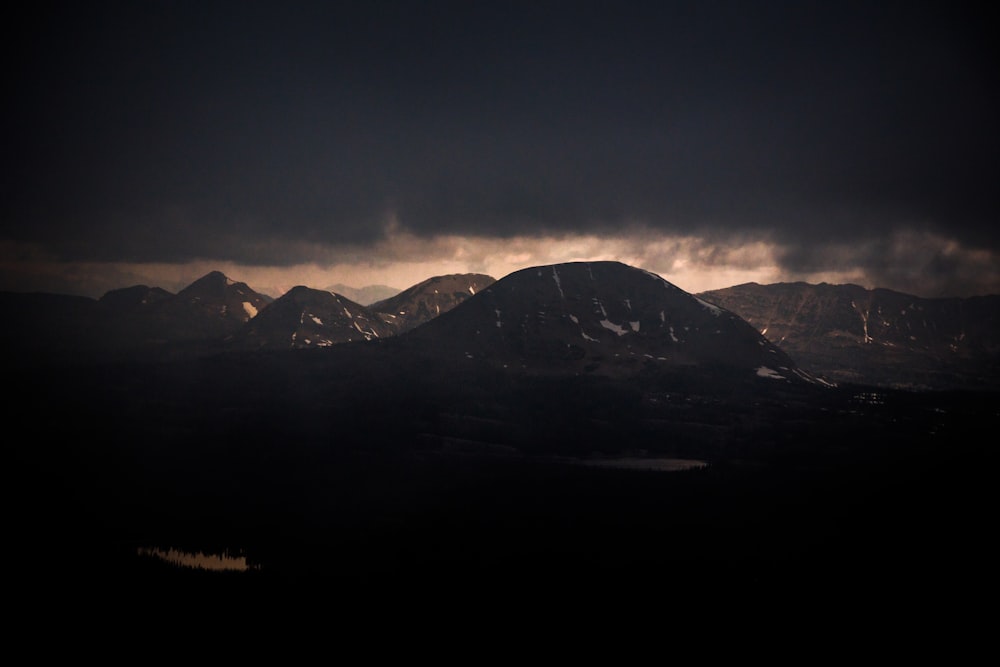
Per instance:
{"type": "Point", "coordinates": [920, 263]}
{"type": "Point", "coordinates": [726, 139]}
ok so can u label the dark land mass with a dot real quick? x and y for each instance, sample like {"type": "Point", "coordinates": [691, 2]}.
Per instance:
{"type": "Point", "coordinates": [462, 466]}
{"type": "Point", "coordinates": [460, 482]}
{"type": "Point", "coordinates": [847, 333]}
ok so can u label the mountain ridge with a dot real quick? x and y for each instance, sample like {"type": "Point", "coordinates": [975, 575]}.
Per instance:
{"type": "Point", "coordinates": [909, 342]}
{"type": "Point", "coordinates": [603, 317]}
{"type": "Point", "coordinates": [430, 298]}
{"type": "Point", "coordinates": [879, 336]}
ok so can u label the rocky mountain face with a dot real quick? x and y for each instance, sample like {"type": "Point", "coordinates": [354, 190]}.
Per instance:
{"type": "Point", "coordinates": [602, 317]}
{"type": "Point", "coordinates": [306, 317]}
{"type": "Point", "coordinates": [126, 324]}
{"type": "Point", "coordinates": [430, 298]}
{"type": "Point", "coordinates": [847, 333]}
{"type": "Point", "coordinates": [599, 317]}
{"type": "Point", "coordinates": [209, 309]}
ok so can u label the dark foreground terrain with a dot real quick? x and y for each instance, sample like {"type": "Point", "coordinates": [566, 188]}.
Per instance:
{"type": "Point", "coordinates": [352, 478]}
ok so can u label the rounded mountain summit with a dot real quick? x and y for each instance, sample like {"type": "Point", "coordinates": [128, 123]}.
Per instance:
{"type": "Point", "coordinates": [606, 317]}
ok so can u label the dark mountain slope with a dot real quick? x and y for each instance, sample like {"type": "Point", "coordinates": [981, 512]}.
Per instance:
{"type": "Point", "coordinates": [134, 323]}
{"type": "Point", "coordinates": [128, 299]}
{"type": "Point", "coordinates": [430, 298]}
{"type": "Point", "coordinates": [306, 317]}
{"type": "Point", "coordinates": [847, 333]}
{"type": "Point", "coordinates": [603, 317]}
{"type": "Point", "coordinates": [210, 308]}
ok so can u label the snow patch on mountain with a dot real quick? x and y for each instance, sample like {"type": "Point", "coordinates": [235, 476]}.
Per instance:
{"type": "Point", "coordinates": [611, 326]}
{"type": "Point", "coordinates": [766, 372]}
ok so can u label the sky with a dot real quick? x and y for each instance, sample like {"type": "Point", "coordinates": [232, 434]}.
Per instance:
{"type": "Point", "coordinates": [314, 143]}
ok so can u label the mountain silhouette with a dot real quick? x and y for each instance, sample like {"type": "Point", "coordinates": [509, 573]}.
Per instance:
{"type": "Point", "coordinates": [604, 317]}
{"type": "Point", "coordinates": [304, 317]}
{"type": "Point", "coordinates": [429, 298]}
{"type": "Point", "coordinates": [847, 333]}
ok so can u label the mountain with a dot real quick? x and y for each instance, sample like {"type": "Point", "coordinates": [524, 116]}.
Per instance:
{"type": "Point", "coordinates": [137, 322]}
{"type": "Point", "coordinates": [366, 295]}
{"type": "Point", "coordinates": [847, 333]}
{"type": "Point", "coordinates": [128, 299]}
{"type": "Point", "coordinates": [430, 298]}
{"type": "Point", "coordinates": [202, 314]}
{"type": "Point", "coordinates": [603, 317]}
{"type": "Point", "coordinates": [212, 306]}
{"type": "Point", "coordinates": [306, 317]}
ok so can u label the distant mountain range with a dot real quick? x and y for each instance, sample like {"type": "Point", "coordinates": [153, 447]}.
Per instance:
{"type": "Point", "coordinates": [847, 333]}
{"type": "Point", "coordinates": [214, 314]}
{"type": "Point", "coordinates": [602, 317]}
{"type": "Point", "coordinates": [138, 322]}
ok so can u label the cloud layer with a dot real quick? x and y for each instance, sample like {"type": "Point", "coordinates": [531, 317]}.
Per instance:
{"type": "Point", "coordinates": [854, 135]}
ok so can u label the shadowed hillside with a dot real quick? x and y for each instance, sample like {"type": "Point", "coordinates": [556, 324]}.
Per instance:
{"type": "Point", "coordinates": [850, 334]}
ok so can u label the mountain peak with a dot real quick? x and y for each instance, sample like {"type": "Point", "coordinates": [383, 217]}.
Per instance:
{"type": "Point", "coordinates": [605, 317]}
{"type": "Point", "coordinates": [213, 283]}
{"type": "Point", "coordinates": [301, 291]}
{"type": "Point", "coordinates": [430, 298]}
{"type": "Point", "coordinates": [306, 317]}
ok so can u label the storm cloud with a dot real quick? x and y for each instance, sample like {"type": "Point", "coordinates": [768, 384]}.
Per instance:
{"type": "Point", "coordinates": [284, 134]}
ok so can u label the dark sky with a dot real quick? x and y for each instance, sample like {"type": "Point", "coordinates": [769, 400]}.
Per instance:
{"type": "Point", "coordinates": [256, 133]}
